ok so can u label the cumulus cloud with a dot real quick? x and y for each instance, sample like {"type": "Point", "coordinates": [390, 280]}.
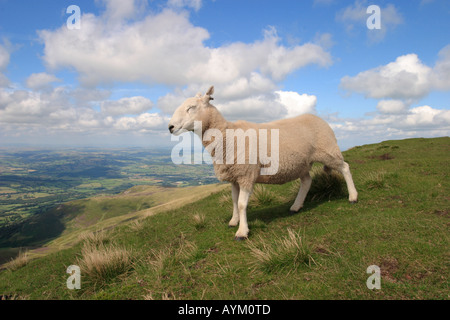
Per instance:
{"type": "Point", "coordinates": [391, 106]}
{"type": "Point", "coordinates": [38, 81]}
{"type": "Point", "coordinates": [133, 105]}
{"type": "Point", "coordinates": [157, 49]}
{"type": "Point", "coordinates": [4, 58]}
{"type": "Point", "coordinates": [297, 104]}
{"type": "Point", "coordinates": [422, 121]}
{"type": "Point", "coordinates": [119, 10]}
{"type": "Point", "coordinates": [194, 4]}
{"type": "Point", "coordinates": [4, 61]}
{"type": "Point", "coordinates": [167, 48]}
{"type": "Point", "coordinates": [441, 71]}
{"type": "Point", "coordinates": [405, 78]}
{"type": "Point", "coordinates": [142, 123]}
{"type": "Point", "coordinates": [399, 85]}
{"type": "Point", "coordinates": [125, 44]}
{"type": "Point", "coordinates": [55, 111]}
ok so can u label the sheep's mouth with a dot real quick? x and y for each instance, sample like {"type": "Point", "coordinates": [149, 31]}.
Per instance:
{"type": "Point", "coordinates": [176, 131]}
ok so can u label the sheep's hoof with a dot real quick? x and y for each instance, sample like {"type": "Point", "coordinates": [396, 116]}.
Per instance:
{"type": "Point", "coordinates": [293, 212]}
{"type": "Point", "coordinates": [240, 238]}
{"type": "Point", "coordinates": [354, 201]}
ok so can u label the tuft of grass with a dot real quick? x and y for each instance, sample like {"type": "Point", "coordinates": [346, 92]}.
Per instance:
{"type": "Point", "coordinates": [101, 264]}
{"type": "Point", "coordinates": [199, 221]}
{"type": "Point", "coordinates": [326, 185]}
{"type": "Point", "coordinates": [96, 239]}
{"type": "Point", "coordinates": [226, 199]}
{"type": "Point", "coordinates": [262, 196]}
{"type": "Point", "coordinates": [162, 259]}
{"type": "Point", "coordinates": [20, 261]}
{"type": "Point", "coordinates": [286, 253]}
{"type": "Point", "coordinates": [376, 180]}
{"type": "Point", "coordinates": [136, 225]}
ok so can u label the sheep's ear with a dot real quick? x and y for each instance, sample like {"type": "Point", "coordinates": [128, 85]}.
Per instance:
{"type": "Point", "coordinates": [209, 93]}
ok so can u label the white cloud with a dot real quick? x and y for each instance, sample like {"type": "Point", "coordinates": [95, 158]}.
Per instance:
{"type": "Point", "coordinates": [297, 104]}
{"type": "Point", "coordinates": [422, 121]}
{"type": "Point", "coordinates": [158, 49]}
{"type": "Point", "coordinates": [133, 105]}
{"type": "Point", "coordinates": [406, 78]}
{"type": "Point", "coordinates": [426, 116]}
{"type": "Point", "coordinates": [4, 61]}
{"type": "Point", "coordinates": [37, 81]}
{"type": "Point", "coordinates": [391, 106]}
{"type": "Point", "coordinates": [119, 10]}
{"type": "Point", "coordinates": [194, 4]}
{"type": "Point", "coordinates": [125, 44]}
{"type": "Point", "coordinates": [144, 122]}
{"type": "Point", "coordinates": [441, 71]}
{"type": "Point", "coordinates": [166, 48]}
{"type": "Point", "coordinates": [54, 111]}
{"type": "Point", "coordinates": [400, 84]}
{"type": "Point", "coordinates": [4, 58]}
{"type": "Point", "coordinates": [261, 108]}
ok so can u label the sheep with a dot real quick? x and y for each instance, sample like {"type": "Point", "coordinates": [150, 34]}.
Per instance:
{"type": "Point", "coordinates": [302, 141]}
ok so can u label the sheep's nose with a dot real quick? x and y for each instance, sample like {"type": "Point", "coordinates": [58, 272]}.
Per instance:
{"type": "Point", "coordinates": [171, 128]}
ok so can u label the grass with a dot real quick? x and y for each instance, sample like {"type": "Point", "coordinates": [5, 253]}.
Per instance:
{"type": "Point", "coordinates": [102, 264]}
{"type": "Point", "coordinates": [199, 221]}
{"type": "Point", "coordinates": [288, 252]}
{"type": "Point", "coordinates": [20, 261]}
{"type": "Point", "coordinates": [187, 252]}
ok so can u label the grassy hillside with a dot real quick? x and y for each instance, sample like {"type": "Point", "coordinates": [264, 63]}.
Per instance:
{"type": "Point", "coordinates": [61, 226]}
{"type": "Point", "coordinates": [401, 224]}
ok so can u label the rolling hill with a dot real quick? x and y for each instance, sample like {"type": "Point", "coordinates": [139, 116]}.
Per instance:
{"type": "Point", "coordinates": [186, 250]}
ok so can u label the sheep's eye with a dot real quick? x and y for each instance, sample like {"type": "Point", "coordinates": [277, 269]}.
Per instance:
{"type": "Point", "coordinates": [190, 108]}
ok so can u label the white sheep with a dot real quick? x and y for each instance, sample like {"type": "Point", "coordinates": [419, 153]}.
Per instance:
{"type": "Point", "coordinates": [303, 140]}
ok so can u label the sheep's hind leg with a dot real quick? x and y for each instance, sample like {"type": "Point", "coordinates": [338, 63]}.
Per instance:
{"type": "Point", "coordinates": [304, 188]}
{"type": "Point", "coordinates": [244, 195]}
{"type": "Point", "coordinates": [353, 194]}
{"type": "Point", "coordinates": [235, 196]}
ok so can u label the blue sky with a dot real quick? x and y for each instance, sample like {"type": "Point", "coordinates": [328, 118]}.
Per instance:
{"type": "Point", "coordinates": [117, 79]}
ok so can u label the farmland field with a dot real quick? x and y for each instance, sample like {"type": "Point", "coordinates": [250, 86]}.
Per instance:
{"type": "Point", "coordinates": [35, 180]}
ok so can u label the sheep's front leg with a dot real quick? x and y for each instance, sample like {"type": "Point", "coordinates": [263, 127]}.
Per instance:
{"type": "Point", "coordinates": [244, 195]}
{"type": "Point", "coordinates": [235, 196]}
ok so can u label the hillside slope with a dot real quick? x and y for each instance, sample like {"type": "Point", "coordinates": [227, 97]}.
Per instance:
{"type": "Point", "coordinates": [61, 227]}
{"type": "Point", "coordinates": [400, 224]}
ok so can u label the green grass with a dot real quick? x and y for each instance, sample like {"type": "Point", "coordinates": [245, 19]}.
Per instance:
{"type": "Point", "coordinates": [401, 224]}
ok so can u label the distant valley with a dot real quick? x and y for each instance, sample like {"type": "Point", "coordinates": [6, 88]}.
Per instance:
{"type": "Point", "coordinates": [36, 181]}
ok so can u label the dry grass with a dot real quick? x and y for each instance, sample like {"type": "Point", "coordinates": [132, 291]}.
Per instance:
{"type": "Point", "coordinates": [284, 253]}
{"type": "Point", "coordinates": [21, 260]}
{"type": "Point", "coordinates": [97, 238]}
{"type": "Point", "coordinates": [226, 199]}
{"type": "Point", "coordinates": [199, 221]}
{"type": "Point", "coordinates": [136, 225]}
{"type": "Point", "coordinates": [262, 196]}
{"type": "Point", "coordinates": [102, 264]}
{"type": "Point", "coordinates": [160, 260]}
{"type": "Point", "coordinates": [376, 180]}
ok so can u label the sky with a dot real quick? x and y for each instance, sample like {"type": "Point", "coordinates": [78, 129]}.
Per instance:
{"type": "Point", "coordinates": [112, 75]}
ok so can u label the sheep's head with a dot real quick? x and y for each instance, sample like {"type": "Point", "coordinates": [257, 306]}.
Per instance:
{"type": "Point", "coordinates": [193, 109]}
